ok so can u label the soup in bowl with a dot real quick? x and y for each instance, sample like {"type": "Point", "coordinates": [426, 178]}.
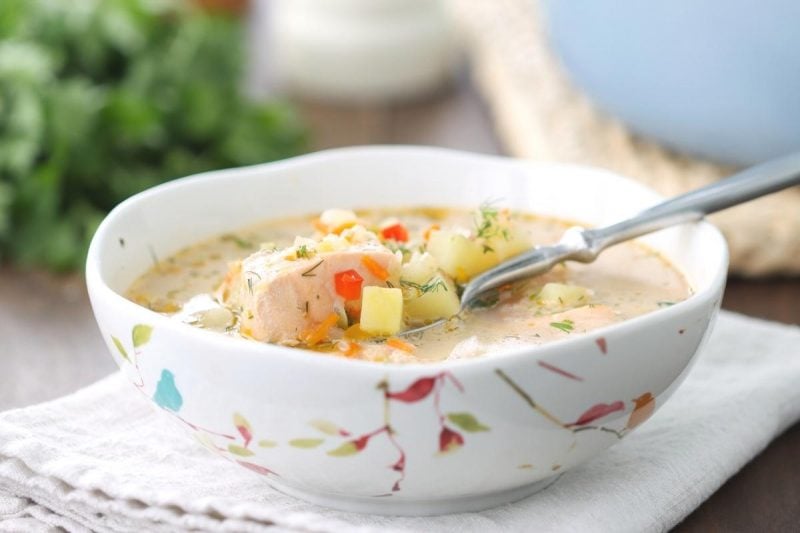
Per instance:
{"type": "Point", "coordinates": [262, 310]}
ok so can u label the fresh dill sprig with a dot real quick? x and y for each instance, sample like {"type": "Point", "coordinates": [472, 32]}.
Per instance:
{"type": "Point", "coordinates": [310, 272]}
{"type": "Point", "coordinates": [304, 252]}
{"type": "Point", "coordinates": [488, 226]}
{"type": "Point", "coordinates": [565, 325]}
{"type": "Point", "coordinates": [397, 246]}
{"type": "Point", "coordinates": [238, 241]}
{"type": "Point", "coordinates": [250, 273]}
{"type": "Point", "coordinates": [432, 285]}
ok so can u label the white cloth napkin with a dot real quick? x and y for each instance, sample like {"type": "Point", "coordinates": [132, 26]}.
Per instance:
{"type": "Point", "coordinates": [101, 459]}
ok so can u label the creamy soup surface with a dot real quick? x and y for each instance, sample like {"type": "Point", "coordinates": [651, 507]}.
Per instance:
{"type": "Point", "coordinates": [349, 283]}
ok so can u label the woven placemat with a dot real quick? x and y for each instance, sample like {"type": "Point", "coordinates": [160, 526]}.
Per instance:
{"type": "Point", "coordinates": [540, 115]}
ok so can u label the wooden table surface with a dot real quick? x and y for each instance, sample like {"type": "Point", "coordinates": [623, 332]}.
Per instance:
{"type": "Point", "coordinates": [50, 346]}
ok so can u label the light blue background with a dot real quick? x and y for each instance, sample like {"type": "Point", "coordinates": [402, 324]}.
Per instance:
{"type": "Point", "coordinates": [716, 78]}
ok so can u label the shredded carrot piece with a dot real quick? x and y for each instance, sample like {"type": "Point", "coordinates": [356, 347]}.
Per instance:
{"type": "Point", "coordinates": [427, 233]}
{"type": "Point", "coordinates": [400, 344]}
{"type": "Point", "coordinates": [320, 332]}
{"type": "Point", "coordinates": [348, 348]}
{"type": "Point", "coordinates": [373, 266]}
{"type": "Point", "coordinates": [341, 227]}
{"type": "Point", "coordinates": [355, 332]}
{"type": "Point", "coordinates": [319, 226]}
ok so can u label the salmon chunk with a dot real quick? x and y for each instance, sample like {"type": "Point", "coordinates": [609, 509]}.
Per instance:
{"type": "Point", "coordinates": [283, 295]}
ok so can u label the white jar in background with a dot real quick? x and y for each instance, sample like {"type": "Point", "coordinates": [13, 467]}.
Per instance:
{"type": "Point", "coordinates": [357, 51]}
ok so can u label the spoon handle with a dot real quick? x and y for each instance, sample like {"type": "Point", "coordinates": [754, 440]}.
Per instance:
{"type": "Point", "coordinates": [584, 244]}
{"type": "Point", "coordinates": [741, 187]}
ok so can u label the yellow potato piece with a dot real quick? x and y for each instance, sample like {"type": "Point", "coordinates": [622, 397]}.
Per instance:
{"type": "Point", "coordinates": [419, 268]}
{"type": "Point", "coordinates": [381, 310]}
{"type": "Point", "coordinates": [440, 301]}
{"type": "Point", "coordinates": [563, 295]}
{"type": "Point", "coordinates": [517, 242]}
{"type": "Point", "coordinates": [460, 257]}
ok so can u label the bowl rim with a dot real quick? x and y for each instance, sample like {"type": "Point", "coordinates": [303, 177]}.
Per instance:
{"type": "Point", "coordinates": [99, 289]}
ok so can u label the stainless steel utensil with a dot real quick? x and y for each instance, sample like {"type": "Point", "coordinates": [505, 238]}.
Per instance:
{"type": "Point", "coordinates": [584, 245]}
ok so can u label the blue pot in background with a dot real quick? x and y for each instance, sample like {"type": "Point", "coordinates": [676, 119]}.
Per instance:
{"type": "Point", "coordinates": [714, 78]}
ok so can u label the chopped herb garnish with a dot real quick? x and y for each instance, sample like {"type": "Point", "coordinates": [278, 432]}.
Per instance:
{"type": "Point", "coordinates": [238, 241]}
{"type": "Point", "coordinates": [433, 285]}
{"type": "Point", "coordinates": [304, 252]}
{"type": "Point", "coordinates": [488, 226]}
{"type": "Point", "coordinates": [565, 325]}
{"type": "Point", "coordinates": [665, 304]}
{"type": "Point", "coordinates": [396, 246]}
{"type": "Point", "coordinates": [310, 272]}
{"type": "Point", "coordinates": [250, 273]}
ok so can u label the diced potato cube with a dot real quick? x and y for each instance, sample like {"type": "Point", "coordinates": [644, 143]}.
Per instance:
{"type": "Point", "coordinates": [563, 295]}
{"type": "Point", "coordinates": [460, 257]}
{"type": "Point", "coordinates": [338, 219]}
{"type": "Point", "coordinates": [381, 310]}
{"type": "Point", "coordinates": [439, 300]}
{"type": "Point", "coordinates": [215, 318]}
{"type": "Point", "coordinates": [420, 268]}
{"type": "Point", "coordinates": [518, 241]}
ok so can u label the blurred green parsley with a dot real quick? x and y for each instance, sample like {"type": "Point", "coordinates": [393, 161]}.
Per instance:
{"type": "Point", "coordinates": [100, 99]}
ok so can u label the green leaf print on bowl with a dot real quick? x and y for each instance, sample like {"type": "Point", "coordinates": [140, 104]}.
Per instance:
{"type": "Point", "coordinates": [140, 335]}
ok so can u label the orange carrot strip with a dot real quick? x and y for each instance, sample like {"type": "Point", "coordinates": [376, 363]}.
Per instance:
{"type": "Point", "coordinates": [400, 344]}
{"type": "Point", "coordinates": [427, 233]}
{"type": "Point", "coordinates": [348, 348]}
{"type": "Point", "coordinates": [373, 266]}
{"type": "Point", "coordinates": [355, 332]}
{"type": "Point", "coordinates": [319, 226]}
{"type": "Point", "coordinates": [341, 227]}
{"type": "Point", "coordinates": [321, 331]}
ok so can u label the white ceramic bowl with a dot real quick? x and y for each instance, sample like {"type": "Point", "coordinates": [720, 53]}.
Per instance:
{"type": "Point", "coordinates": [318, 427]}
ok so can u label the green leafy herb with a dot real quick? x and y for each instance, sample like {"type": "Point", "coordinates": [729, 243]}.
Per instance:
{"type": "Point", "coordinates": [488, 226]}
{"type": "Point", "coordinates": [250, 275]}
{"type": "Point", "coordinates": [241, 243]}
{"type": "Point", "coordinates": [398, 246]}
{"type": "Point", "coordinates": [304, 252]}
{"type": "Point", "coordinates": [565, 325]}
{"type": "Point", "coordinates": [665, 304]}
{"type": "Point", "coordinates": [102, 100]}
{"type": "Point", "coordinates": [432, 285]}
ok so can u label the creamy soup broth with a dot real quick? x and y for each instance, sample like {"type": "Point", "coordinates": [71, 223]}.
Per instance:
{"type": "Point", "coordinates": [626, 281]}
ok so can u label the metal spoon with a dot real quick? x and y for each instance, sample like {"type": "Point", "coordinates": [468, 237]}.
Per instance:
{"type": "Point", "coordinates": [585, 245]}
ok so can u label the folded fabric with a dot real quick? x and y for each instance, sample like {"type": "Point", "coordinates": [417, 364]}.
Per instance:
{"type": "Point", "coordinates": [103, 460]}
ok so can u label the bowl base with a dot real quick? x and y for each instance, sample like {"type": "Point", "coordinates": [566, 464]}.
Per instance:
{"type": "Point", "coordinates": [397, 507]}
